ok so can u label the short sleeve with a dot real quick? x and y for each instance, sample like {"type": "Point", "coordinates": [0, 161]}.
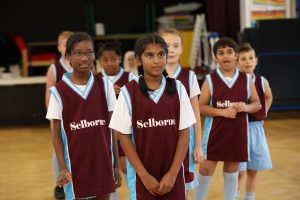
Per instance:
{"type": "Point", "coordinates": [187, 117]}
{"type": "Point", "coordinates": [54, 73]}
{"type": "Point", "coordinates": [263, 83]}
{"type": "Point", "coordinates": [121, 118]}
{"type": "Point", "coordinates": [194, 85]}
{"type": "Point", "coordinates": [249, 79]}
{"type": "Point", "coordinates": [54, 109]}
{"type": "Point", "coordinates": [131, 76]}
{"type": "Point", "coordinates": [110, 96]}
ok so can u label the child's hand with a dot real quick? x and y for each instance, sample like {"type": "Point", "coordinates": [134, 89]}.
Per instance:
{"type": "Point", "coordinates": [229, 112]}
{"type": "Point", "coordinates": [166, 183]}
{"type": "Point", "coordinates": [240, 107]}
{"type": "Point", "coordinates": [198, 154]}
{"type": "Point", "coordinates": [116, 88]}
{"type": "Point", "coordinates": [151, 184]}
{"type": "Point", "coordinates": [117, 177]}
{"type": "Point", "coordinates": [63, 178]}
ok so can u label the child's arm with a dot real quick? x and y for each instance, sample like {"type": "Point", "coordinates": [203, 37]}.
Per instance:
{"type": "Point", "coordinates": [111, 103]}
{"type": "Point", "coordinates": [117, 169]}
{"type": "Point", "coordinates": [268, 96]}
{"type": "Point", "coordinates": [198, 154]}
{"type": "Point", "coordinates": [49, 84]}
{"type": "Point", "coordinates": [149, 181]}
{"type": "Point", "coordinates": [254, 103]}
{"type": "Point", "coordinates": [206, 109]}
{"type": "Point", "coordinates": [64, 175]}
{"type": "Point", "coordinates": [168, 180]}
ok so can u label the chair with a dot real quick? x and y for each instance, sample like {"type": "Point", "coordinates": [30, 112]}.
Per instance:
{"type": "Point", "coordinates": [32, 60]}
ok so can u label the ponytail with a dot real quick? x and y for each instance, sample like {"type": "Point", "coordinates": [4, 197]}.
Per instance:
{"type": "Point", "coordinates": [170, 83]}
{"type": "Point", "coordinates": [142, 84]}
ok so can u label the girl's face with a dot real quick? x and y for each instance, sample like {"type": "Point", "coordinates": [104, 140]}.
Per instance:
{"type": "Point", "coordinates": [153, 60]}
{"type": "Point", "coordinates": [174, 47]}
{"type": "Point", "coordinates": [110, 61]}
{"type": "Point", "coordinates": [247, 61]}
{"type": "Point", "coordinates": [226, 58]}
{"type": "Point", "coordinates": [82, 57]}
{"type": "Point", "coordinates": [131, 61]}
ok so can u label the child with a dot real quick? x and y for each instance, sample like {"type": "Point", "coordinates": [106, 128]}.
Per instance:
{"type": "Point", "coordinates": [153, 114]}
{"type": "Point", "coordinates": [260, 158]}
{"type": "Point", "coordinates": [109, 55]}
{"type": "Point", "coordinates": [61, 66]}
{"type": "Point", "coordinates": [189, 80]}
{"type": "Point", "coordinates": [130, 63]}
{"type": "Point", "coordinates": [54, 75]}
{"type": "Point", "coordinates": [226, 98]}
{"type": "Point", "coordinates": [80, 107]}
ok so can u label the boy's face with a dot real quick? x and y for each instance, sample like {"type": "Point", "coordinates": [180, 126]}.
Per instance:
{"type": "Point", "coordinates": [153, 60]}
{"type": "Point", "coordinates": [226, 58]}
{"type": "Point", "coordinates": [62, 46]}
{"type": "Point", "coordinates": [110, 61]}
{"type": "Point", "coordinates": [174, 47]}
{"type": "Point", "coordinates": [247, 61]}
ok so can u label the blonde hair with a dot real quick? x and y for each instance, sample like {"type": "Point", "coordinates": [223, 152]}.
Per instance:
{"type": "Point", "coordinates": [64, 35]}
{"type": "Point", "coordinates": [127, 68]}
{"type": "Point", "coordinates": [172, 31]}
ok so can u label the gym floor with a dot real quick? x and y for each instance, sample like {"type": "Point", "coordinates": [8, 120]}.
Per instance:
{"type": "Point", "coordinates": [26, 169]}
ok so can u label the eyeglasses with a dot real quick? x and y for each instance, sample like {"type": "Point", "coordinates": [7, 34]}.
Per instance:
{"type": "Point", "coordinates": [80, 54]}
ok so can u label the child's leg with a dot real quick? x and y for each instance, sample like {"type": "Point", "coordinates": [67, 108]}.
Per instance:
{"type": "Point", "coordinates": [250, 184]}
{"type": "Point", "coordinates": [251, 180]}
{"type": "Point", "coordinates": [242, 172]}
{"type": "Point", "coordinates": [249, 196]}
{"type": "Point", "coordinates": [207, 169]}
{"type": "Point", "coordinates": [240, 179]}
{"type": "Point", "coordinates": [230, 179]}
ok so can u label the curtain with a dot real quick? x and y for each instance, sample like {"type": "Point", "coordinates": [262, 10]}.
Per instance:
{"type": "Point", "coordinates": [223, 17]}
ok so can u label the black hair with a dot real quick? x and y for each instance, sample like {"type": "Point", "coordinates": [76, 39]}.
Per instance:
{"type": "Point", "coordinates": [76, 38]}
{"type": "Point", "coordinates": [114, 45]}
{"type": "Point", "coordinates": [225, 42]}
{"type": "Point", "coordinates": [140, 47]}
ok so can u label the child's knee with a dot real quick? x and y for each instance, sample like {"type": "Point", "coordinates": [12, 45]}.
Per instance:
{"type": "Point", "coordinates": [231, 167]}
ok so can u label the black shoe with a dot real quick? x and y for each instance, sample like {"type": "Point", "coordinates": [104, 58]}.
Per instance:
{"type": "Point", "coordinates": [59, 193]}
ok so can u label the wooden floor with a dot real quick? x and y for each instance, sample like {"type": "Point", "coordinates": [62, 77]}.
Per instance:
{"type": "Point", "coordinates": [26, 173]}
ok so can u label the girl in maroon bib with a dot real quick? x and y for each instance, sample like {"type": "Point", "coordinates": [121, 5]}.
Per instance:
{"type": "Point", "coordinates": [81, 135]}
{"type": "Point", "coordinates": [155, 113]}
